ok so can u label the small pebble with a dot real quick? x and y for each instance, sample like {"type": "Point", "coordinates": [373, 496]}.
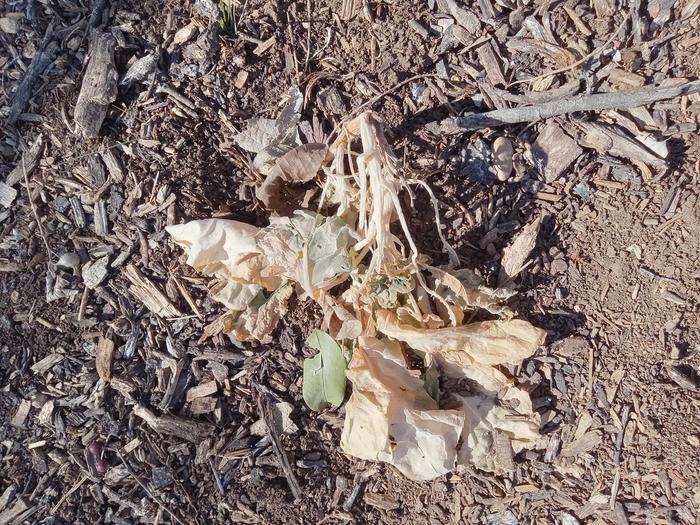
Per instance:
{"type": "Point", "coordinates": [558, 266]}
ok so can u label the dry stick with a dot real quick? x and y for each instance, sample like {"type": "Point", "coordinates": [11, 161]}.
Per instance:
{"type": "Point", "coordinates": [626, 99]}
{"type": "Point", "coordinates": [36, 214]}
{"type": "Point", "coordinates": [590, 55]}
{"type": "Point", "coordinates": [266, 414]}
{"type": "Point", "coordinates": [147, 491]}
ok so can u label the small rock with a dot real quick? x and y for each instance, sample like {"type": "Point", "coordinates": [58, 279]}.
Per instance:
{"type": "Point", "coordinates": [558, 266]}
{"type": "Point", "coordinates": [503, 158]}
{"type": "Point", "coordinates": [185, 34]}
{"type": "Point", "coordinates": [161, 477]}
{"type": "Point", "coordinates": [10, 24]}
{"type": "Point", "coordinates": [69, 261]}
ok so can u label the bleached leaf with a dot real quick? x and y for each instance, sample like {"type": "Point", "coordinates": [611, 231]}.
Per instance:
{"type": "Point", "coordinates": [465, 289]}
{"type": "Point", "coordinates": [494, 409]}
{"type": "Point", "coordinates": [235, 295]}
{"type": "Point", "coordinates": [259, 320]}
{"type": "Point", "coordinates": [310, 249]}
{"type": "Point", "coordinates": [488, 342]}
{"type": "Point", "coordinates": [339, 322]}
{"type": "Point", "coordinates": [391, 418]}
{"type": "Point", "coordinates": [213, 245]}
{"type": "Point", "coordinates": [259, 134]}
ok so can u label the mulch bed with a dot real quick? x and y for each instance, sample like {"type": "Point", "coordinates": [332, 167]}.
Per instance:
{"type": "Point", "coordinates": [117, 121]}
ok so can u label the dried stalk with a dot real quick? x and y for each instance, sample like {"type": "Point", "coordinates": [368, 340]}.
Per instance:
{"type": "Point", "coordinates": [625, 99]}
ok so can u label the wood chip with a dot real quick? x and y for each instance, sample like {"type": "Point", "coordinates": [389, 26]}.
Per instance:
{"type": "Point", "coordinates": [113, 164]}
{"type": "Point", "coordinates": [8, 515]}
{"type": "Point", "coordinates": [187, 429]}
{"type": "Point", "coordinates": [103, 358]}
{"type": "Point", "coordinates": [149, 294]}
{"type": "Point", "coordinates": [47, 363]}
{"type": "Point", "coordinates": [264, 46]}
{"type": "Point", "coordinates": [99, 87]}
{"type": "Point", "coordinates": [21, 413]}
{"type": "Point", "coordinates": [517, 253]}
{"type": "Point", "coordinates": [554, 151]}
{"type": "Point", "coordinates": [7, 195]}
{"type": "Point", "coordinates": [100, 218]}
{"type": "Point", "coordinates": [203, 405]}
{"type": "Point", "coordinates": [203, 390]}
{"type": "Point", "coordinates": [613, 140]}
{"type": "Point", "coordinates": [95, 272]}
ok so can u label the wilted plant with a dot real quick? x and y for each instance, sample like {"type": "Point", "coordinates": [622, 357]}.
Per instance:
{"type": "Point", "coordinates": [394, 302]}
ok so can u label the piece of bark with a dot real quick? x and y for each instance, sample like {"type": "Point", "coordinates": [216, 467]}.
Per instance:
{"type": "Point", "coordinates": [103, 358]}
{"type": "Point", "coordinates": [149, 294]}
{"type": "Point", "coordinates": [46, 363]}
{"type": "Point", "coordinates": [613, 140]}
{"type": "Point", "coordinates": [554, 151]}
{"type": "Point", "coordinates": [40, 61]}
{"type": "Point", "coordinates": [181, 427]}
{"type": "Point", "coordinates": [203, 405]}
{"type": "Point", "coordinates": [10, 514]}
{"type": "Point", "coordinates": [624, 99]}
{"type": "Point", "coordinates": [21, 414]}
{"type": "Point", "coordinates": [203, 390]}
{"type": "Point", "coordinates": [467, 19]}
{"type": "Point", "coordinates": [95, 272]}
{"type": "Point", "coordinates": [114, 165]}
{"type": "Point", "coordinates": [515, 255]}
{"type": "Point", "coordinates": [7, 195]}
{"type": "Point", "coordinates": [491, 63]}
{"type": "Point", "coordinates": [99, 87]}
{"type": "Point", "coordinates": [28, 161]}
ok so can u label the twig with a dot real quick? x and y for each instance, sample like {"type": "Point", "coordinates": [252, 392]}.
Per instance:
{"type": "Point", "coordinates": [625, 99]}
{"type": "Point", "coordinates": [35, 212]}
{"type": "Point", "coordinates": [148, 492]}
{"type": "Point", "coordinates": [590, 55]}
{"type": "Point", "coordinates": [266, 414]}
{"type": "Point", "coordinates": [68, 494]}
{"type": "Point", "coordinates": [308, 35]}
{"type": "Point", "coordinates": [624, 419]}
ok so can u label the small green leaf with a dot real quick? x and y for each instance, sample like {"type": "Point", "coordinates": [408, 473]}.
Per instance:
{"type": "Point", "coordinates": [324, 374]}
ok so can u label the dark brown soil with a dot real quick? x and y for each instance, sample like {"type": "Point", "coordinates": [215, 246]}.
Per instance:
{"type": "Point", "coordinates": [614, 277]}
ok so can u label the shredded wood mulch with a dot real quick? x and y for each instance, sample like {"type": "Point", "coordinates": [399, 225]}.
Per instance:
{"type": "Point", "coordinates": [575, 122]}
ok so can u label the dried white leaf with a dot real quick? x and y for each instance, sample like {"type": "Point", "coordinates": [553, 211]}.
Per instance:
{"type": "Point", "coordinates": [391, 418]}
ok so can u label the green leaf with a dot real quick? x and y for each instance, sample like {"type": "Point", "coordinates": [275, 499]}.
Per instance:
{"type": "Point", "coordinates": [324, 374]}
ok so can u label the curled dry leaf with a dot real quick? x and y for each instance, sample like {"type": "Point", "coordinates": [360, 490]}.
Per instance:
{"type": "Point", "coordinates": [225, 249]}
{"type": "Point", "coordinates": [495, 407]}
{"type": "Point", "coordinates": [258, 321]}
{"type": "Point", "coordinates": [298, 165]}
{"type": "Point", "coordinates": [391, 418]}
{"type": "Point", "coordinates": [488, 342]}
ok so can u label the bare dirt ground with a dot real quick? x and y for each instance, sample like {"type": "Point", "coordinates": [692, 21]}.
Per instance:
{"type": "Point", "coordinates": [614, 277]}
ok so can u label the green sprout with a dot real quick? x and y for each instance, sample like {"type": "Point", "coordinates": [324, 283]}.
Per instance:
{"type": "Point", "coordinates": [228, 22]}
